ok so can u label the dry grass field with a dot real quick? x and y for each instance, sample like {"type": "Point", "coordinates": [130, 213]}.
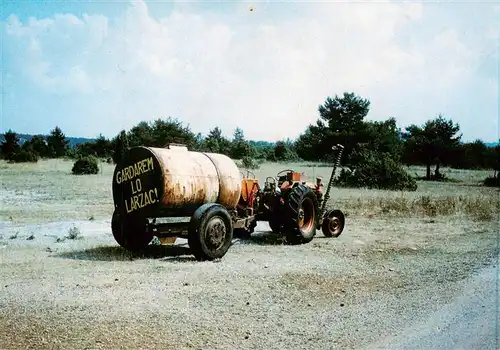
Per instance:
{"type": "Point", "coordinates": [66, 284]}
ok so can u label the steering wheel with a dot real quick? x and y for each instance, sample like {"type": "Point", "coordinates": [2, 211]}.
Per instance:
{"type": "Point", "coordinates": [283, 171]}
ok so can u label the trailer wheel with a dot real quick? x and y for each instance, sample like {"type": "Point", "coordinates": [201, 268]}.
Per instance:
{"type": "Point", "coordinates": [333, 223]}
{"type": "Point", "coordinates": [300, 215]}
{"type": "Point", "coordinates": [129, 234]}
{"type": "Point", "coordinates": [210, 232]}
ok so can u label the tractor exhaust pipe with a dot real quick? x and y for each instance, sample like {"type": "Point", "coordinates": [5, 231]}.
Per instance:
{"type": "Point", "coordinates": [340, 149]}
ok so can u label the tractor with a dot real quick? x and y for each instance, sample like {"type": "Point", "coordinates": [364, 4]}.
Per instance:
{"type": "Point", "coordinates": [172, 192]}
{"type": "Point", "coordinates": [291, 206]}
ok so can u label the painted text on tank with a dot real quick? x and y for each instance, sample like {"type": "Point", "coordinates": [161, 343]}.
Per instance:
{"type": "Point", "coordinates": [141, 200]}
{"type": "Point", "coordinates": [132, 171]}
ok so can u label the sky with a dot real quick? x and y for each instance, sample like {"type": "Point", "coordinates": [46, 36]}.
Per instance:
{"type": "Point", "coordinates": [94, 67]}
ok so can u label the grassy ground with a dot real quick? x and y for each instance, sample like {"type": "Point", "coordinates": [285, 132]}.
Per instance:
{"type": "Point", "coordinates": [47, 191]}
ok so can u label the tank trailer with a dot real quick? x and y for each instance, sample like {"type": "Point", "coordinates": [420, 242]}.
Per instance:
{"type": "Point", "coordinates": [174, 192]}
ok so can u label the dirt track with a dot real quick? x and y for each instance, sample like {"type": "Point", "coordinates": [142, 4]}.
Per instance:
{"type": "Point", "coordinates": [377, 278]}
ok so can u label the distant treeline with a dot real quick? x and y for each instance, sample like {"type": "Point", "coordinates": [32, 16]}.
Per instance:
{"type": "Point", "coordinates": [341, 120]}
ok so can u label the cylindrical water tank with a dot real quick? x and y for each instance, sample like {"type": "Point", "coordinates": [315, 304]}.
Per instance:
{"type": "Point", "coordinates": [153, 181]}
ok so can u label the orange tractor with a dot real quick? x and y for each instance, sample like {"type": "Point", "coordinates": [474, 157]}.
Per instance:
{"type": "Point", "coordinates": [292, 206]}
{"type": "Point", "coordinates": [173, 192]}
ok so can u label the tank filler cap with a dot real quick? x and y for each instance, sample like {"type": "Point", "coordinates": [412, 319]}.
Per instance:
{"type": "Point", "coordinates": [177, 147]}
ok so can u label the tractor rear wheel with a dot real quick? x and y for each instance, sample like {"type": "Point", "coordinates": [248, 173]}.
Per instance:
{"type": "Point", "coordinates": [210, 232]}
{"type": "Point", "coordinates": [333, 223]}
{"type": "Point", "coordinates": [300, 215]}
{"type": "Point", "coordinates": [130, 234]}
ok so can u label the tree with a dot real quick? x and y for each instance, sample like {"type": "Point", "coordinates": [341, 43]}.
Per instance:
{"type": "Point", "coordinates": [141, 135]}
{"type": "Point", "coordinates": [161, 132]}
{"type": "Point", "coordinates": [431, 143]}
{"type": "Point", "coordinates": [172, 131]}
{"type": "Point", "coordinates": [341, 121]}
{"type": "Point", "coordinates": [240, 147]}
{"type": "Point", "coordinates": [494, 159]}
{"type": "Point", "coordinates": [58, 144]}
{"type": "Point", "coordinates": [470, 155]}
{"type": "Point", "coordinates": [280, 150]}
{"type": "Point", "coordinates": [283, 151]}
{"type": "Point", "coordinates": [385, 136]}
{"type": "Point", "coordinates": [120, 145]}
{"type": "Point", "coordinates": [102, 147]}
{"type": "Point", "coordinates": [216, 143]}
{"type": "Point", "coordinates": [38, 145]}
{"type": "Point", "coordinates": [262, 149]}
{"type": "Point", "coordinates": [11, 144]}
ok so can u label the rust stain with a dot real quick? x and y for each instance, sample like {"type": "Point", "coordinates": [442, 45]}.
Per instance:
{"type": "Point", "coordinates": [229, 180]}
{"type": "Point", "coordinates": [230, 191]}
{"type": "Point", "coordinates": [191, 178]}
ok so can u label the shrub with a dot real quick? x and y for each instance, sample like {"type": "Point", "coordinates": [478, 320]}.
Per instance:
{"type": "Point", "coordinates": [24, 156]}
{"type": "Point", "coordinates": [492, 181]}
{"type": "Point", "coordinates": [379, 171]}
{"type": "Point", "coordinates": [249, 163]}
{"type": "Point", "coordinates": [73, 233]}
{"type": "Point", "coordinates": [85, 166]}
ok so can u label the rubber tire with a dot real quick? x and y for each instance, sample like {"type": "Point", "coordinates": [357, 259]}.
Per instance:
{"type": "Point", "coordinates": [275, 225]}
{"type": "Point", "coordinates": [129, 234]}
{"type": "Point", "coordinates": [293, 233]}
{"type": "Point", "coordinates": [275, 222]}
{"type": "Point", "coordinates": [325, 224]}
{"type": "Point", "coordinates": [196, 231]}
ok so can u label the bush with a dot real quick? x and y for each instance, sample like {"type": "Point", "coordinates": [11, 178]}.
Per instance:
{"type": "Point", "coordinates": [23, 156]}
{"type": "Point", "coordinates": [249, 163]}
{"type": "Point", "coordinates": [492, 181]}
{"type": "Point", "coordinates": [73, 233]}
{"type": "Point", "coordinates": [85, 166]}
{"type": "Point", "coordinates": [379, 171]}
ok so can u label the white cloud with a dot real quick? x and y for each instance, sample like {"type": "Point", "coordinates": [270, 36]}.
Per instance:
{"type": "Point", "coordinates": [243, 69]}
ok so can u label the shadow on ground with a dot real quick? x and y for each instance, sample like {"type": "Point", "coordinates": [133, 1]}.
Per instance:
{"type": "Point", "coordinates": [268, 238]}
{"type": "Point", "coordinates": [260, 238]}
{"type": "Point", "coordinates": [177, 253]}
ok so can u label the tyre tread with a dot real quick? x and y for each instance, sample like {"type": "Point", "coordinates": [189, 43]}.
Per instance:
{"type": "Point", "coordinates": [297, 194]}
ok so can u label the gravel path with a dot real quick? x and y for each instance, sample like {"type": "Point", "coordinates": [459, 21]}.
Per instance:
{"type": "Point", "coordinates": [376, 280]}
{"type": "Point", "coordinates": [469, 321]}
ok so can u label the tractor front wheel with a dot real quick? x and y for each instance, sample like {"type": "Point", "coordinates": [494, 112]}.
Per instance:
{"type": "Point", "coordinates": [300, 215]}
{"type": "Point", "coordinates": [333, 223]}
{"type": "Point", "coordinates": [210, 232]}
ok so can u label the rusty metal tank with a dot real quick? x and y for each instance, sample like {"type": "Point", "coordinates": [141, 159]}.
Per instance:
{"type": "Point", "coordinates": [173, 181]}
